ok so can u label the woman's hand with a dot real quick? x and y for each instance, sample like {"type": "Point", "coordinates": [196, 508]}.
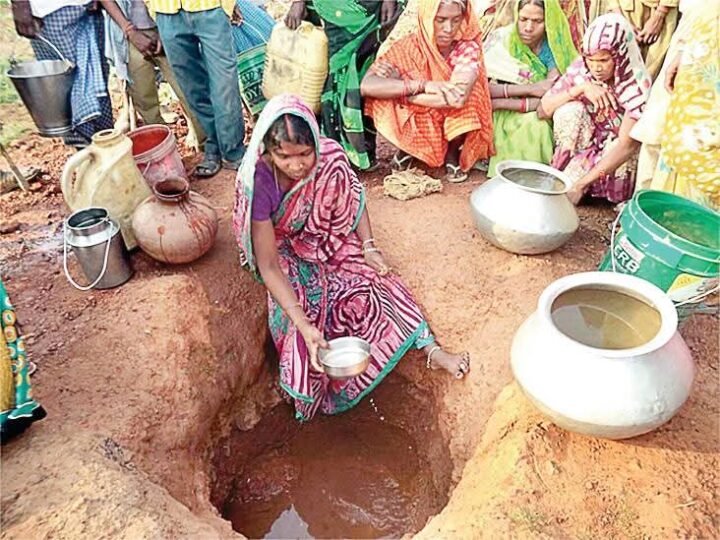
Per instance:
{"type": "Point", "coordinates": [672, 72]}
{"type": "Point", "coordinates": [601, 98]}
{"type": "Point", "coordinates": [296, 14]}
{"type": "Point", "coordinates": [387, 11]}
{"type": "Point", "coordinates": [314, 341]}
{"type": "Point", "coordinates": [577, 192]}
{"type": "Point", "coordinates": [237, 16]}
{"type": "Point", "coordinates": [385, 69]}
{"type": "Point", "coordinates": [652, 29]}
{"type": "Point", "coordinates": [450, 92]}
{"type": "Point", "coordinates": [376, 261]}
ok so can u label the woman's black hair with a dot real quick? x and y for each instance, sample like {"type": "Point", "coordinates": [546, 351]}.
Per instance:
{"type": "Point", "coordinates": [289, 128]}
{"type": "Point", "coordinates": [538, 3]}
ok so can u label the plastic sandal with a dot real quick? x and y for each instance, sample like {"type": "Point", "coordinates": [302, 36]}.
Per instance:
{"type": "Point", "coordinates": [207, 168]}
{"type": "Point", "coordinates": [401, 161]}
{"type": "Point", "coordinates": [455, 174]}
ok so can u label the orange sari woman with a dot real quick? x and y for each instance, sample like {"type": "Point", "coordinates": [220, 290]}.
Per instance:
{"type": "Point", "coordinates": [428, 94]}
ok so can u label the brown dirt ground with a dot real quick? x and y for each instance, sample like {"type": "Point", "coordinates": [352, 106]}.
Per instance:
{"type": "Point", "coordinates": [140, 381]}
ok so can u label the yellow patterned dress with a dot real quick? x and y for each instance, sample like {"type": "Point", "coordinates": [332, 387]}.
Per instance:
{"type": "Point", "coordinates": [17, 407]}
{"type": "Point", "coordinates": [690, 146]}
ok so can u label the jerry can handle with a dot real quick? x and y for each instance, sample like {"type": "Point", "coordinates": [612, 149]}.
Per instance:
{"type": "Point", "coordinates": [65, 262]}
{"type": "Point", "coordinates": [68, 178]}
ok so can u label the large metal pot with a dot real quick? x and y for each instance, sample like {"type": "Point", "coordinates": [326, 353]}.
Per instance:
{"type": "Point", "coordinates": [529, 215]}
{"type": "Point", "coordinates": [44, 87]}
{"type": "Point", "coordinates": [613, 393]}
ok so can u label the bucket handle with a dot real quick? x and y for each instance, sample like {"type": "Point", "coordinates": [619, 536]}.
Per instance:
{"type": "Point", "coordinates": [54, 48]}
{"type": "Point", "coordinates": [692, 300]}
{"type": "Point", "coordinates": [65, 261]}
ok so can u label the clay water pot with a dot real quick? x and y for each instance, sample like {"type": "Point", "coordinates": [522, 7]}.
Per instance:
{"type": "Point", "coordinates": [175, 225]}
{"type": "Point", "coordinates": [592, 381]}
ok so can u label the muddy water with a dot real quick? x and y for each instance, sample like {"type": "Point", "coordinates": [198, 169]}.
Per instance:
{"type": "Point", "coordinates": [605, 319]}
{"type": "Point", "coordinates": [380, 470]}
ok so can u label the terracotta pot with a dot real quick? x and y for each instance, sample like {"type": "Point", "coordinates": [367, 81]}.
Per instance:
{"type": "Point", "coordinates": [175, 225]}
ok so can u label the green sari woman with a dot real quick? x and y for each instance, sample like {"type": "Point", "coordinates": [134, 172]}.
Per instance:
{"type": "Point", "coordinates": [17, 407]}
{"type": "Point", "coordinates": [355, 30]}
{"type": "Point", "coordinates": [523, 60]}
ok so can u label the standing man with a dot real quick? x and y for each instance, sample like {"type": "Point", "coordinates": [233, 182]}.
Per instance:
{"type": "Point", "coordinates": [135, 50]}
{"type": "Point", "coordinates": [197, 37]}
{"type": "Point", "coordinates": [75, 27]}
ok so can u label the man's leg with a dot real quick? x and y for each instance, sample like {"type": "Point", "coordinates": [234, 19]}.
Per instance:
{"type": "Point", "coordinates": [213, 29]}
{"type": "Point", "coordinates": [143, 88]}
{"type": "Point", "coordinates": [169, 76]}
{"type": "Point", "coordinates": [183, 52]}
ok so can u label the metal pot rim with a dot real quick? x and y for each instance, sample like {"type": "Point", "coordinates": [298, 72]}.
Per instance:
{"type": "Point", "coordinates": [639, 288]}
{"type": "Point", "coordinates": [531, 165]}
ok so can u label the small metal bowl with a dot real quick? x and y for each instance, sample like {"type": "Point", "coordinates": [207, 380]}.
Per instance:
{"type": "Point", "coordinates": [347, 357]}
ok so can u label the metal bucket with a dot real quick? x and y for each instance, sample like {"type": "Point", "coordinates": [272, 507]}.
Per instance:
{"type": "Point", "coordinates": [44, 87]}
{"type": "Point", "coordinates": [96, 242]}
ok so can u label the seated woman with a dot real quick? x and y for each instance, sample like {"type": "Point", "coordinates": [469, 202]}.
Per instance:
{"type": "Point", "coordinates": [428, 93]}
{"type": "Point", "coordinates": [302, 226]}
{"type": "Point", "coordinates": [594, 106]}
{"type": "Point", "coordinates": [530, 54]}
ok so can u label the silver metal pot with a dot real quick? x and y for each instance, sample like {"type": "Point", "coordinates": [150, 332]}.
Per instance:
{"type": "Point", "coordinates": [96, 241]}
{"type": "Point", "coordinates": [347, 357]}
{"type": "Point", "coordinates": [44, 87]}
{"type": "Point", "coordinates": [615, 393]}
{"type": "Point", "coordinates": [529, 215]}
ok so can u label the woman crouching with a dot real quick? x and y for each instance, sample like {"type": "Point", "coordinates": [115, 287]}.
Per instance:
{"type": "Point", "coordinates": [303, 229]}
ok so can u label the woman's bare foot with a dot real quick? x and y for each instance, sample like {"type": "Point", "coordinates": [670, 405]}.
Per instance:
{"type": "Point", "coordinates": [458, 365]}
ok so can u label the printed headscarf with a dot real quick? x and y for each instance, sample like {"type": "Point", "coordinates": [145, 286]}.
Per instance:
{"type": "Point", "coordinates": [631, 81]}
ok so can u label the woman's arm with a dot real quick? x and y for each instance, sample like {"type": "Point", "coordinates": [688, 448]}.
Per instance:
{"type": "Point", "coordinates": [622, 150]}
{"type": "Point", "coordinates": [551, 102]}
{"type": "Point", "coordinates": [373, 256]}
{"type": "Point", "coordinates": [521, 105]}
{"type": "Point", "coordinates": [266, 254]}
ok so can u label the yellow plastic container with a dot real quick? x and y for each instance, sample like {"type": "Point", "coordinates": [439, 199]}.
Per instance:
{"type": "Point", "coordinates": [296, 62]}
{"type": "Point", "coordinates": [105, 174]}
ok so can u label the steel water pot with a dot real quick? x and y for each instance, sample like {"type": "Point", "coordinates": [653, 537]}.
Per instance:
{"type": "Point", "coordinates": [524, 209]}
{"type": "Point", "coordinates": [606, 391]}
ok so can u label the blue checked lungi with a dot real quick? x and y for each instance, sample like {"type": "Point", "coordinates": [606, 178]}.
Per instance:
{"type": "Point", "coordinates": [79, 35]}
{"type": "Point", "coordinates": [255, 28]}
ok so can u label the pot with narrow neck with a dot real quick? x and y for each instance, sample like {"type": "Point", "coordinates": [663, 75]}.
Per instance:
{"type": "Point", "coordinates": [175, 225]}
{"type": "Point", "coordinates": [602, 356]}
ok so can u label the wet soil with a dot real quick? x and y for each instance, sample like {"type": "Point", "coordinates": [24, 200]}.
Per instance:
{"type": "Point", "coordinates": [379, 470]}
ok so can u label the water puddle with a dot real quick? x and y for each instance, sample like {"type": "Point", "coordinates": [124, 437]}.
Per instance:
{"type": "Point", "coordinates": [348, 476]}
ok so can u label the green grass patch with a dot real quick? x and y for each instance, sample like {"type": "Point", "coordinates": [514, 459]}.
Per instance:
{"type": "Point", "coordinates": [7, 90]}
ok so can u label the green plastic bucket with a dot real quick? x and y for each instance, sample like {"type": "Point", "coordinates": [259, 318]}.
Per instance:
{"type": "Point", "coordinates": [250, 67]}
{"type": "Point", "coordinates": [669, 241]}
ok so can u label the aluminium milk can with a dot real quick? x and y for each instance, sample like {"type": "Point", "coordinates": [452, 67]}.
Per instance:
{"type": "Point", "coordinates": [97, 243]}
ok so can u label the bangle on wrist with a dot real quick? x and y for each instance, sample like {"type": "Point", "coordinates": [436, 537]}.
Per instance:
{"type": "Point", "coordinates": [370, 250]}
{"type": "Point", "coordinates": [128, 29]}
{"type": "Point", "coordinates": [368, 241]}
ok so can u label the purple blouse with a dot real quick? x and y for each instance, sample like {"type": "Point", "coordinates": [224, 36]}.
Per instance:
{"type": "Point", "coordinates": [267, 195]}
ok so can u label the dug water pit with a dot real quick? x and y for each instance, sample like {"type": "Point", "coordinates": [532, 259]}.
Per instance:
{"type": "Point", "coordinates": [379, 470]}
